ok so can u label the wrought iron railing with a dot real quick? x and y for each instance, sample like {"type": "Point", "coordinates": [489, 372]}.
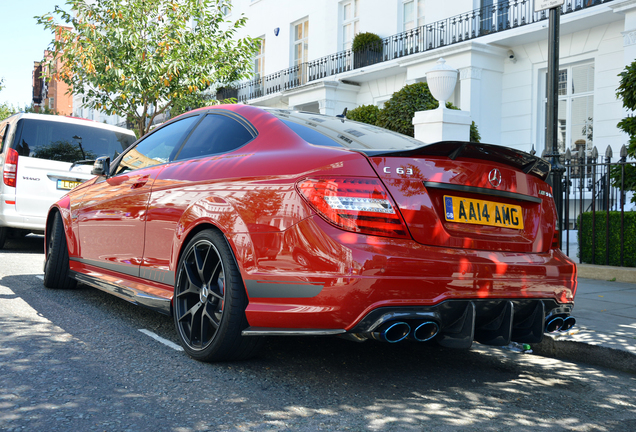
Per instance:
{"type": "Point", "coordinates": [593, 186]}
{"type": "Point", "coordinates": [477, 23]}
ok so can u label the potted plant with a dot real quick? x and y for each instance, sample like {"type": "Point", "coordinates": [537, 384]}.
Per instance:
{"type": "Point", "coordinates": [367, 49]}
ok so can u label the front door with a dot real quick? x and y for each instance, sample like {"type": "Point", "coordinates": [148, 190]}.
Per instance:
{"type": "Point", "coordinates": [112, 216]}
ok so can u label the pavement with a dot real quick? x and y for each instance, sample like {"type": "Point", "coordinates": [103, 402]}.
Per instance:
{"type": "Point", "coordinates": [605, 310]}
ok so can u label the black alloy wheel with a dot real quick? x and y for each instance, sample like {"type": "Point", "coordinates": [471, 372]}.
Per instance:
{"type": "Point", "coordinates": [56, 266]}
{"type": "Point", "coordinates": [209, 302]}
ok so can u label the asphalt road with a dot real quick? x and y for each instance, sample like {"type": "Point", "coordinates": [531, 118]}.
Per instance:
{"type": "Point", "coordinates": [77, 361]}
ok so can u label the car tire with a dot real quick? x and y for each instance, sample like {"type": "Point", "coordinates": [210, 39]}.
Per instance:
{"type": "Point", "coordinates": [209, 302]}
{"type": "Point", "coordinates": [3, 236]}
{"type": "Point", "coordinates": [56, 267]}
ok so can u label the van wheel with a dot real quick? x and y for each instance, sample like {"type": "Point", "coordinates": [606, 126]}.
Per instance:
{"type": "Point", "coordinates": [3, 236]}
{"type": "Point", "coordinates": [56, 269]}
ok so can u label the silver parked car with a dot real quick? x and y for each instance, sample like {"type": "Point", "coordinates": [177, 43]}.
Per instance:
{"type": "Point", "coordinates": [44, 156]}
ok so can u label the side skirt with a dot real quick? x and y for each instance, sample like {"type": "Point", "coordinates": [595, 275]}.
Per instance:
{"type": "Point", "coordinates": [134, 296]}
{"type": "Point", "coordinates": [272, 331]}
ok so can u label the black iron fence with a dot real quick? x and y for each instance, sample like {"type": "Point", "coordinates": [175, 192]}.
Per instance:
{"type": "Point", "coordinates": [597, 204]}
{"type": "Point", "coordinates": [476, 23]}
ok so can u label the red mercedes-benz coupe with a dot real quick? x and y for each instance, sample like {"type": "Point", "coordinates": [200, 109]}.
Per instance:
{"type": "Point", "coordinates": [244, 222]}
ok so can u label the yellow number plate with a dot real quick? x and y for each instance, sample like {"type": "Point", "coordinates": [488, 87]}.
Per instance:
{"type": "Point", "coordinates": [66, 184]}
{"type": "Point", "coordinates": [481, 212]}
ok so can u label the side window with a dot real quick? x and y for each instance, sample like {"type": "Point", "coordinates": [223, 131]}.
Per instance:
{"type": "Point", "coordinates": [157, 147]}
{"type": "Point", "coordinates": [310, 135]}
{"type": "Point", "coordinates": [216, 133]}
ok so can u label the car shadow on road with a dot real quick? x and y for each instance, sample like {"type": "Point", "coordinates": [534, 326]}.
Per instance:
{"type": "Point", "coordinates": [96, 362]}
{"type": "Point", "coordinates": [32, 243]}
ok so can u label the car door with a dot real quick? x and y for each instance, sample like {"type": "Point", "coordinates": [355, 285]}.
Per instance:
{"type": "Point", "coordinates": [112, 214]}
{"type": "Point", "coordinates": [193, 175]}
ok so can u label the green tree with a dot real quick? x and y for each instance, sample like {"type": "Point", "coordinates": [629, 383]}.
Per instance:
{"type": "Point", "coordinates": [397, 114]}
{"type": "Point", "coordinates": [627, 92]}
{"type": "Point", "coordinates": [192, 101]}
{"type": "Point", "coordinates": [6, 110]}
{"type": "Point", "coordinates": [134, 58]}
{"type": "Point", "coordinates": [364, 114]}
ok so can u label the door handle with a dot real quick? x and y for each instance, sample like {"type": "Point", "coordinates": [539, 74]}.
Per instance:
{"type": "Point", "coordinates": [141, 181]}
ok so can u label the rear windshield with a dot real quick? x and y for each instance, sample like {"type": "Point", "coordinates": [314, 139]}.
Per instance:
{"type": "Point", "coordinates": [68, 142]}
{"type": "Point", "coordinates": [331, 131]}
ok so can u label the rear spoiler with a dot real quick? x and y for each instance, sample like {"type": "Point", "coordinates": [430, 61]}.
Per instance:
{"type": "Point", "coordinates": [522, 161]}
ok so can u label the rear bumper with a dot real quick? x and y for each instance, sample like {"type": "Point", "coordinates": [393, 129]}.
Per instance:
{"type": "Point", "coordinates": [352, 276]}
{"type": "Point", "coordinates": [490, 322]}
{"type": "Point", "coordinates": [9, 217]}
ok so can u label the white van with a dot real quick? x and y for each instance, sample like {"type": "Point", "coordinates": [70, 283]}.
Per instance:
{"type": "Point", "coordinates": [42, 157]}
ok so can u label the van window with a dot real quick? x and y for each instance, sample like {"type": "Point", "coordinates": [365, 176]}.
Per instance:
{"type": "Point", "coordinates": [68, 142]}
{"type": "Point", "coordinates": [4, 132]}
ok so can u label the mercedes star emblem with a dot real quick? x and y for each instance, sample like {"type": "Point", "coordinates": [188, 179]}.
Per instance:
{"type": "Point", "coordinates": [494, 177]}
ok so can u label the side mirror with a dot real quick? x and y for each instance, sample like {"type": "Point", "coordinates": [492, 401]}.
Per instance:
{"type": "Point", "coordinates": [101, 167]}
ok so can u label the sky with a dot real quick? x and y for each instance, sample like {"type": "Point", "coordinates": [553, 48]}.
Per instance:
{"type": "Point", "coordinates": [22, 42]}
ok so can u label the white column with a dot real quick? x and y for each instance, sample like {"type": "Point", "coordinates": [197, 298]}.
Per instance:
{"type": "Point", "coordinates": [627, 8]}
{"type": "Point", "coordinates": [470, 91]}
{"type": "Point", "coordinates": [327, 107]}
{"type": "Point", "coordinates": [442, 125]}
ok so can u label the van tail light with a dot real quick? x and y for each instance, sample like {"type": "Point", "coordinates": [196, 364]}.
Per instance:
{"type": "Point", "coordinates": [555, 239]}
{"type": "Point", "coordinates": [10, 171]}
{"type": "Point", "coordinates": [360, 205]}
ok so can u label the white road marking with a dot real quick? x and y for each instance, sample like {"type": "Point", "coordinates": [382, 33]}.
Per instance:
{"type": "Point", "coordinates": [174, 346]}
{"type": "Point", "coordinates": [40, 277]}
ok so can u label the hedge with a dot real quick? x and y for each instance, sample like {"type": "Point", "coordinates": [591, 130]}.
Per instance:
{"type": "Point", "coordinates": [629, 238]}
{"type": "Point", "coordinates": [364, 114]}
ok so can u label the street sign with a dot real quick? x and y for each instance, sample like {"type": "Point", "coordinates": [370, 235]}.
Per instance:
{"type": "Point", "coordinates": [540, 5]}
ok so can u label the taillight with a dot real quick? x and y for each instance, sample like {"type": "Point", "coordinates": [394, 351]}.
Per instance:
{"type": "Point", "coordinates": [10, 171]}
{"type": "Point", "coordinates": [555, 239]}
{"type": "Point", "coordinates": [360, 205]}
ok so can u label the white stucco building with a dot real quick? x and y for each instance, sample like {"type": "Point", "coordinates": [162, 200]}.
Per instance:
{"type": "Point", "coordinates": [499, 47]}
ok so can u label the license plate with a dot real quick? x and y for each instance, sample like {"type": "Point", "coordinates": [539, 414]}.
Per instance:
{"type": "Point", "coordinates": [481, 212]}
{"type": "Point", "coordinates": [67, 184]}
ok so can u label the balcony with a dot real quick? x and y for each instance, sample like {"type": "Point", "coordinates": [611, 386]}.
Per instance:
{"type": "Point", "coordinates": [460, 28]}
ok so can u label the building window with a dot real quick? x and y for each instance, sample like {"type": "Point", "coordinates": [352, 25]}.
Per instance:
{"type": "Point", "coordinates": [412, 14]}
{"type": "Point", "coordinates": [301, 42]}
{"type": "Point", "coordinates": [576, 107]}
{"type": "Point", "coordinates": [259, 60]}
{"type": "Point", "coordinates": [493, 15]}
{"type": "Point", "coordinates": [350, 11]}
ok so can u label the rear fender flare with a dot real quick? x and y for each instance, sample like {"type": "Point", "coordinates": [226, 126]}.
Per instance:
{"type": "Point", "coordinates": [199, 216]}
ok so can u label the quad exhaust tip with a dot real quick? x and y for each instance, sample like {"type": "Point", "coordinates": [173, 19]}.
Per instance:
{"type": "Point", "coordinates": [559, 324]}
{"type": "Point", "coordinates": [398, 331]}
{"type": "Point", "coordinates": [392, 332]}
{"type": "Point", "coordinates": [554, 325]}
{"type": "Point", "coordinates": [425, 331]}
{"type": "Point", "coordinates": [568, 323]}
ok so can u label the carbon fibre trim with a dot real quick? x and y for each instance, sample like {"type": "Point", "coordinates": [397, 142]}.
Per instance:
{"type": "Point", "coordinates": [271, 331]}
{"type": "Point", "coordinates": [155, 275]}
{"type": "Point", "coordinates": [134, 296]}
{"type": "Point", "coordinates": [483, 191]}
{"type": "Point", "coordinates": [275, 289]}
{"type": "Point", "coordinates": [490, 322]}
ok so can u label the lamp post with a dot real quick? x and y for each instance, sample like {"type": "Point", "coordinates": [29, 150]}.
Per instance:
{"type": "Point", "coordinates": [552, 114]}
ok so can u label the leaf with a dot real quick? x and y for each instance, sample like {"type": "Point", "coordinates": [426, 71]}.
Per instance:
{"type": "Point", "coordinates": [102, 56]}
